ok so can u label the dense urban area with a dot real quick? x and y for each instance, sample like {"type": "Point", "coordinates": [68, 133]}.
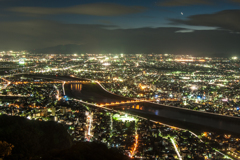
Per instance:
{"type": "Point", "coordinates": [35, 86]}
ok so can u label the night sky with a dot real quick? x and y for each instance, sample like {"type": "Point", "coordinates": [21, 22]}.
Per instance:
{"type": "Point", "coordinates": [196, 27]}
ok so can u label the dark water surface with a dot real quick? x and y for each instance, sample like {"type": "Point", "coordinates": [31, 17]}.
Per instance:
{"type": "Point", "coordinates": [91, 92]}
{"type": "Point", "coordinates": [195, 121]}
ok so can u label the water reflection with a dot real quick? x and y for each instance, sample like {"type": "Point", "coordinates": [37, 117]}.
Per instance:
{"type": "Point", "coordinates": [140, 107]}
{"type": "Point", "coordinates": [91, 93]}
{"type": "Point", "coordinates": [76, 87]}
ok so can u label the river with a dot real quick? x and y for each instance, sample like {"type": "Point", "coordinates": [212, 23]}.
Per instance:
{"type": "Point", "coordinates": [188, 119]}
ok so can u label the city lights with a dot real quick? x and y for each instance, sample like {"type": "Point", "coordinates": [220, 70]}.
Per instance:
{"type": "Point", "coordinates": [21, 61]}
{"type": "Point", "coordinates": [193, 87]}
{"type": "Point", "coordinates": [113, 86]}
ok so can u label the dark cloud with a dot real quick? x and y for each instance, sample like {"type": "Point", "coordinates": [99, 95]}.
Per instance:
{"type": "Point", "coordinates": [171, 3]}
{"type": "Point", "coordinates": [3, 16]}
{"type": "Point", "coordinates": [96, 9]}
{"type": "Point", "coordinates": [102, 21]}
{"type": "Point", "coordinates": [228, 19]}
{"type": "Point", "coordinates": [237, 1]}
{"type": "Point", "coordinates": [97, 39]}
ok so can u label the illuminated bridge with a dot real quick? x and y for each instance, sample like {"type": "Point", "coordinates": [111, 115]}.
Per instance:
{"type": "Point", "coordinates": [51, 82]}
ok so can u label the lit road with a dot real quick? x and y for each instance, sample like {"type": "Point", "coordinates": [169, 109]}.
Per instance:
{"type": "Point", "coordinates": [176, 150]}
{"type": "Point", "coordinates": [14, 95]}
{"type": "Point", "coordinates": [132, 152]}
{"type": "Point", "coordinates": [8, 83]}
{"type": "Point", "coordinates": [89, 126]}
{"type": "Point", "coordinates": [63, 87]}
{"type": "Point", "coordinates": [58, 93]}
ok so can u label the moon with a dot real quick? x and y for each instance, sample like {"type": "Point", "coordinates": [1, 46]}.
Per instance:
{"type": "Point", "coordinates": [181, 13]}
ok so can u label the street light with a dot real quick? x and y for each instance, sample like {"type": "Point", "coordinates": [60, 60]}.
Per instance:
{"type": "Point", "coordinates": [194, 87]}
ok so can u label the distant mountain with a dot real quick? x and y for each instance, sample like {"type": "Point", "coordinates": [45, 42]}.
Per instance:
{"type": "Point", "coordinates": [60, 49]}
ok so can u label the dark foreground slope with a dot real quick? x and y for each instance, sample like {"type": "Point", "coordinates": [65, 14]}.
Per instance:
{"type": "Point", "coordinates": [86, 151]}
{"type": "Point", "coordinates": [36, 140]}
{"type": "Point", "coordinates": [31, 138]}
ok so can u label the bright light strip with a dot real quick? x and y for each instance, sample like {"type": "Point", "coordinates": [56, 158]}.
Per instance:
{"type": "Point", "coordinates": [174, 145]}
{"type": "Point", "coordinates": [106, 64]}
{"type": "Point", "coordinates": [89, 127]}
{"type": "Point", "coordinates": [193, 87]}
{"type": "Point", "coordinates": [184, 60]}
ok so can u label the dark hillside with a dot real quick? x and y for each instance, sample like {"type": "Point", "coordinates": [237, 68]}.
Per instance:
{"type": "Point", "coordinates": [32, 138]}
